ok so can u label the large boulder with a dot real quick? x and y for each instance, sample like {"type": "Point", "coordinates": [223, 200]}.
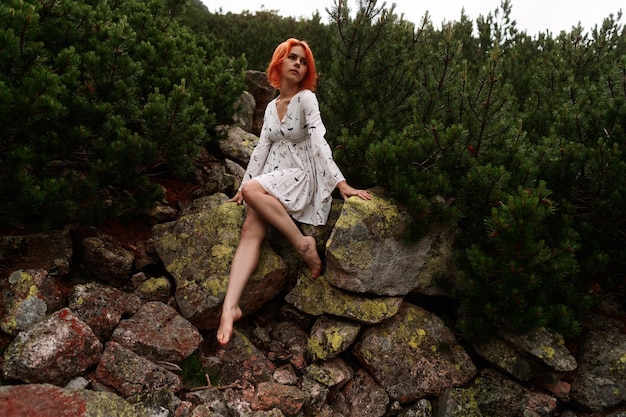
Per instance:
{"type": "Point", "coordinates": [413, 355]}
{"type": "Point", "coordinates": [368, 253]}
{"type": "Point", "coordinates": [197, 250]}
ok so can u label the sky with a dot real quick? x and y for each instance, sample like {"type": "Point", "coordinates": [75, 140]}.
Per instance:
{"type": "Point", "coordinates": [533, 16]}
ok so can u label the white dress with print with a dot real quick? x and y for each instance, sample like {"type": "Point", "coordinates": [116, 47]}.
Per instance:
{"type": "Point", "coordinates": [293, 161]}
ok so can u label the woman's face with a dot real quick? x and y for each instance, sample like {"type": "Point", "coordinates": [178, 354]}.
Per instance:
{"type": "Point", "coordinates": [295, 65]}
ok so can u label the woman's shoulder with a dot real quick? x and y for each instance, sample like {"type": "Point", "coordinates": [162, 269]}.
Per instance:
{"type": "Point", "coordinates": [307, 97]}
{"type": "Point", "coordinates": [305, 93]}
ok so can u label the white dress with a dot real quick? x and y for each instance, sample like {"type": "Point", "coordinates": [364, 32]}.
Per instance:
{"type": "Point", "coordinates": [293, 162]}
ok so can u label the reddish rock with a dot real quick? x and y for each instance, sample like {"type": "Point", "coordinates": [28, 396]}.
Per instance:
{"type": "Point", "coordinates": [270, 395]}
{"type": "Point", "coordinates": [102, 307]}
{"type": "Point", "coordinates": [53, 350]}
{"type": "Point", "coordinates": [44, 400]}
{"type": "Point", "coordinates": [159, 333]}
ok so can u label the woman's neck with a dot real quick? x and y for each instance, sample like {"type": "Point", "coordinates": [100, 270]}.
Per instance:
{"type": "Point", "coordinates": [288, 90]}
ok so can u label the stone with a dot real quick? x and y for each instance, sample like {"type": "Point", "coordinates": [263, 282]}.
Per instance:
{"type": "Point", "coordinates": [364, 396]}
{"type": "Point", "coordinates": [130, 374]}
{"type": "Point", "coordinates": [106, 259]}
{"type": "Point", "coordinates": [102, 306]}
{"type": "Point", "coordinates": [599, 382]}
{"type": "Point", "coordinates": [368, 253]}
{"type": "Point", "coordinates": [197, 251]}
{"type": "Point", "coordinates": [46, 400]}
{"type": "Point", "coordinates": [330, 337]}
{"type": "Point", "coordinates": [52, 351]}
{"type": "Point", "coordinates": [159, 333]}
{"type": "Point", "coordinates": [413, 355]}
{"type": "Point", "coordinates": [29, 295]}
{"type": "Point", "coordinates": [317, 297]}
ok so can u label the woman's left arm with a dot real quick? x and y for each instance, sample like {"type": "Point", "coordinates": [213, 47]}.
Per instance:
{"type": "Point", "coordinates": [331, 173]}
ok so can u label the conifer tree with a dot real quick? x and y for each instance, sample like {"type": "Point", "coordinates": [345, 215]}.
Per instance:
{"type": "Point", "coordinates": [96, 95]}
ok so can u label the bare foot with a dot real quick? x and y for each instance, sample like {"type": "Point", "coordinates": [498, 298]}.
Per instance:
{"type": "Point", "coordinates": [227, 320]}
{"type": "Point", "coordinates": [310, 256]}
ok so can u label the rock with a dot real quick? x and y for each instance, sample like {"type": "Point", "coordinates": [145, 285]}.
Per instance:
{"type": "Point", "coordinates": [294, 340]}
{"type": "Point", "coordinates": [105, 259]}
{"type": "Point", "coordinates": [52, 351]}
{"type": "Point", "coordinates": [155, 289]}
{"type": "Point", "coordinates": [317, 297]}
{"type": "Point", "coordinates": [29, 295]}
{"type": "Point", "coordinates": [332, 373]}
{"type": "Point", "coordinates": [366, 252]}
{"type": "Point", "coordinates": [423, 408]}
{"type": "Point", "coordinates": [45, 400]}
{"type": "Point", "coordinates": [600, 380]}
{"type": "Point", "coordinates": [505, 357]}
{"type": "Point", "coordinates": [102, 306]}
{"type": "Point", "coordinates": [258, 85]}
{"type": "Point", "coordinates": [244, 111]}
{"type": "Point", "coordinates": [458, 402]}
{"type": "Point", "coordinates": [286, 375]}
{"type": "Point", "coordinates": [330, 337]}
{"type": "Point", "coordinates": [287, 398]}
{"type": "Point", "coordinates": [498, 396]}
{"type": "Point", "coordinates": [413, 355]}
{"type": "Point", "coordinates": [546, 352]}
{"type": "Point", "coordinates": [160, 402]}
{"type": "Point", "coordinates": [158, 333]}
{"type": "Point", "coordinates": [130, 374]}
{"type": "Point", "coordinates": [197, 251]}
{"type": "Point", "coordinates": [236, 170]}
{"type": "Point", "coordinates": [365, 398]}
{"type": "Point", "coordinates": [161, 213]}
{"type": "Point", "coordinates": [238, 144]}
{"type": "Point", "coordinates": [242, 361]}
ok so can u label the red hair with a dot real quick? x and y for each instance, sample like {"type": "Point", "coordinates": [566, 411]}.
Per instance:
{"type": "Point", "coordinates": [280, 54]}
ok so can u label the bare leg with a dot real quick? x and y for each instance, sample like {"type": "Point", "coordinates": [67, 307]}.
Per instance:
{"type": "Point", "coordinates": [244, 263]}
{"type": "Point", "coordinates": [270, 210]}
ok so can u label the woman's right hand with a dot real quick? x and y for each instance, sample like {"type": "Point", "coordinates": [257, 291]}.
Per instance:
{"type": "Point", "coordinates": [238, 198]}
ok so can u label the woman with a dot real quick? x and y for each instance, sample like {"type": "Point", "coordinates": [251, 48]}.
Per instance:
{"type": "Point", "coordinates": [291, 175]}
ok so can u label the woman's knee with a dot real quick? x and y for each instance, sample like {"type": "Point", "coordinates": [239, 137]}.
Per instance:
{"type": "Point", "coordinates": [250, 189]}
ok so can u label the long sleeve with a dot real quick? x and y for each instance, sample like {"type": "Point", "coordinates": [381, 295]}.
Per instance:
{"type": "Point", "coordinates": [327, 172]}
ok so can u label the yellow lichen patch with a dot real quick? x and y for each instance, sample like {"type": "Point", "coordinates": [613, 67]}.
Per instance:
{"type": "Point", "coordinates": [215, 286]}
{"type": "Point", "coordinates": [222, 251]}
{"type": "Point", "coordinates": [33, 291]}
{"type": "Point", "coordinates": [416, 340]}
{"type": "Point", "coordinates": [548, 352]}
{"type": "Point", "coordinates": [9, 325]}
{"type": "Point", "coordinates": [153, 284]}
{"type": "Point", "coordinates": [356, 210]}
{"type": "Point", "coordinates": [23, 283]}
{"type": "Point", "coordinates": [355, 253]}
